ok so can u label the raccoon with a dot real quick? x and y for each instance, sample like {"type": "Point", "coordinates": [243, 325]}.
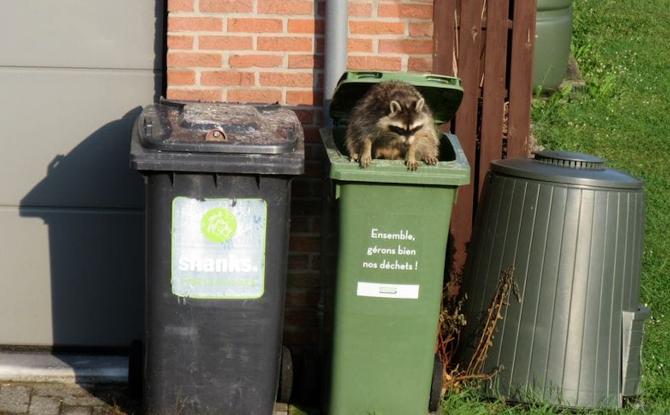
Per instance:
{"type": "Point", "coordinates": [392, 121]}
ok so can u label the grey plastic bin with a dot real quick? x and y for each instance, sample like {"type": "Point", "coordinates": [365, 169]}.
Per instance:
{"type": "Point", "coordinates": [572, 229]}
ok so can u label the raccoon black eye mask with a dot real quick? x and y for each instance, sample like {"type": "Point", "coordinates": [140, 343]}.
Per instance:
{"type": "Point", "coordinates": [404, 131]}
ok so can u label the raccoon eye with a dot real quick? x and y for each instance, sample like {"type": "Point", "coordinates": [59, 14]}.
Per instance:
{"type": "Point", "coordinates": [397, 130]}
{"type": "Point", "coordinates": [415, 129]}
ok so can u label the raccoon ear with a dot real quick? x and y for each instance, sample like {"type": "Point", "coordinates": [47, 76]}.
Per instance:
{"type": "Point", "coordinates": [419, 104]}
{"type": "Point", "coordinates": [395, 107]}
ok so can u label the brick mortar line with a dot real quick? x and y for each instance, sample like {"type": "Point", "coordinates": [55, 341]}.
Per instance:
{"type": "Point", "coordinates": [254, 87]}
{"type": "Point", "coordinates": [194, 88]}
{"type": "Point", "coordinates": [301, 35]}
{"type": "Point", "coordinates": [375, 8]}
{"type": "Point", "coordinates": [258, 14]}
{"type": "Point", "coordinates": [387, 54]}
{"type": "Point", "coordinates": [404, 62]}
{"type": "Point", "coordinates": [249, 52]}
{"type": "Point", "coordinates": [225, 62]}
{"type": "Point", "coordinates": [390, 19]}
{"type": "Point", "coordinates": [385, 36]}
{"type": "Point", "coordinates": [284, 32]}
{"type": "Point", "coordinates": [198, 33]}
{"type": "Point", "coordinates": [279, 15]}
{"type": "Point", "coordinates": [254, 70]}
{"type": "Point", "coordinates": [390, 36]}
{"type": "Point", "coordinates": [249, 15]}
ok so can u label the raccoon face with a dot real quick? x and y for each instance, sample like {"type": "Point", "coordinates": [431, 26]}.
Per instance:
{"type": "Point", "coordinates": [405, 120]}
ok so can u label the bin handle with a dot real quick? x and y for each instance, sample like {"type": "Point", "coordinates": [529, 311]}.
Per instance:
{"type": "Point", "coordinates": [446, 80]}
{"type": "Point", "coordinates": [216, 134]}
{"type": "Point", "coordinates": [369, 74]}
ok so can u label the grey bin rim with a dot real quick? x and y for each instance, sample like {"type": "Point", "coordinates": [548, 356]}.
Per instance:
{"type": "Point", "coordinates": [536, 170]}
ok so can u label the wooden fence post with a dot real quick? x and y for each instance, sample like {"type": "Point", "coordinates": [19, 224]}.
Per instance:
{"type": "Point", "coordinates": [489, 45]}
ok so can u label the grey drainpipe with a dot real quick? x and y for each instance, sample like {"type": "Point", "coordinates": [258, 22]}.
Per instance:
{"type": "Point", "coordinates": [335, 57]}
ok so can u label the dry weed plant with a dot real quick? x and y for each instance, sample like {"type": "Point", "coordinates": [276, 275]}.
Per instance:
{"type": "Point", "coordinates": [452, 322]}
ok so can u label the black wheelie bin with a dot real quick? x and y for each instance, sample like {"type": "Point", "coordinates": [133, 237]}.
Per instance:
{"type": "Point", "coordinates": [218, 182]}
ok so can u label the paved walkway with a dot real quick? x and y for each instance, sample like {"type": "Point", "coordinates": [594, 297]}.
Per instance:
{"type": "Point", "coordinates": [65, 399]}
{"type": "Point", "coordinates": [69, 384]}
{"type": "Point", "coordinates": [73, 399]}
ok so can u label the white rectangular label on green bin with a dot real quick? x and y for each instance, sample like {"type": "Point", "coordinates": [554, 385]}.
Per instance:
{"type": "Point", "coordinates": [374, 289]}
{"type": "Point", "coordinates": [218, 248]}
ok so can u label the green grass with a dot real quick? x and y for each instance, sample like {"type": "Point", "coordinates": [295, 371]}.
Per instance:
{"type": "Point", "coordinates": [623, 115]}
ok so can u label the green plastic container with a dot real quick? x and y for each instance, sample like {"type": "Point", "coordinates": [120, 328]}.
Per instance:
{"type": "Point", "coordinates": [553, 34]}
{"type": "Point", "coordinates": [393, 230]}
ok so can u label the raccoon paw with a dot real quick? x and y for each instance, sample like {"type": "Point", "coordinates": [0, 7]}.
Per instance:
{"type": "Point", "coordinates": [430, 160]}
{"type": "Point", "coordinates": [412, 165]}
{"type": "Point", "coordinates": [353, 157]}
{"type": "Point", "coordinates": [365, 161]}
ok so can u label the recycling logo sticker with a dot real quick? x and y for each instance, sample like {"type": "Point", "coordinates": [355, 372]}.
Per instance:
{"type": "Point", "coordinates": [218, 225]}
{"type": "Point", "coordinates": [218, 248]}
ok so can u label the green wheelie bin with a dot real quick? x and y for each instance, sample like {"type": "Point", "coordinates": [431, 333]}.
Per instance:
{"type": "Point", "coordinates": [388, 249]}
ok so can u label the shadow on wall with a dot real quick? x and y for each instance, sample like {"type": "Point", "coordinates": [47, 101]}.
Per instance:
{"type": "Point", "coordinates": [96, 239]}
{"type": "Point", "coordinates": [95, 219]}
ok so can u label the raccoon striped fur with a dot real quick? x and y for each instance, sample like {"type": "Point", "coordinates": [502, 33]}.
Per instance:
{"type": "Point", "coordinates": [392, 121]}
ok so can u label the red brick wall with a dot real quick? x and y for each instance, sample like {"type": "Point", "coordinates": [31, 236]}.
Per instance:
{"type": "Point", "coordinates": [272, 51]}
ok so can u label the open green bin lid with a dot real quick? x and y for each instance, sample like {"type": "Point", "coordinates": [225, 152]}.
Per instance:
{"type": "Point", "coordinates": [443, 95]}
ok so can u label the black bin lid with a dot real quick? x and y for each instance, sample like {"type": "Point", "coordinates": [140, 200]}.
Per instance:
{"type": "Point", "coordinates": [568, 168]}
{"type": "Point", "coordinates": [443, 94]}
{"type": "Point", "coordinates": [219, 128]}
{"type": "Point", "coordinates": [217, 137]}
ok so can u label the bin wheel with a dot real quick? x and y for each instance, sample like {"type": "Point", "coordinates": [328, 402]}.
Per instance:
{"type": "Point", "coordinates": [436, 385]}
{"type": "Point", "coordinates": [285, 376]}
{"type": "Point", "coordinates": [135, 365]}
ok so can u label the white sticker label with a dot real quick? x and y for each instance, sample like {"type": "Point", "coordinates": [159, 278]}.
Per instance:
{"type": "Point", "coordinates": [373, 289]}
{"type": "Point", "coordinates": [218, 248]}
